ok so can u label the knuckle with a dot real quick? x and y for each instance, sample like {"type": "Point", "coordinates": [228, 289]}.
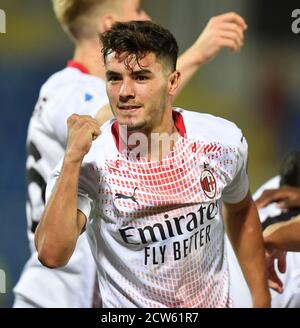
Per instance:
{"type": "Point", "coordinates": [213, 21]}
{"type": "Point", "coordinates": [86, 124]}
{"type": "Point", "coordinates": [72, 118]}
{"type": "Point", "coordinates": [87, 117]}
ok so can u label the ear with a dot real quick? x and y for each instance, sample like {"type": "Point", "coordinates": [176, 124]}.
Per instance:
{"type": "Point", "coordinates": [174, 81]}
{"type": "Point", "coordinates": [105, 23]}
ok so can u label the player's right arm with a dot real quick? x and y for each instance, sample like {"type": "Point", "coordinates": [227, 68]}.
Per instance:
{"type": "Point", "coordinates": [61, 223]}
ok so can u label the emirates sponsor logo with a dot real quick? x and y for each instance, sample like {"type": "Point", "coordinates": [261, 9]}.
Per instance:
{"type": "Point", "coordinates": [196, 226]}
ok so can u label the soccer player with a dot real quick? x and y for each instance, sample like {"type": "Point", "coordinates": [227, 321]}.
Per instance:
{"type": "Point", "coordinates": [282, 190]}
{"type": "Point", "coordinates": [153, 181]}
{"type": "Point", "coordinates": [281, 233]}
{"type": "Point", "coordinates": [80, 89]}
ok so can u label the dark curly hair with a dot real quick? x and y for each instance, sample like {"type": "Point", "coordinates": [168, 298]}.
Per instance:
{"type": "Point", "coordinates": [140, 38]}
{"type": "Point", "coordinates": [290, 170]}
{"type": "Point", "coordinates": [289, 176]}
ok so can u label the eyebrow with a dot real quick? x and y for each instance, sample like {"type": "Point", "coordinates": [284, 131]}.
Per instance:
{"type": "Point", "coordinates": [134, 73]}
{"type": "Point", "coordinates": [142, 71]}
{"type": "Point", "coordinates": [111, 73]}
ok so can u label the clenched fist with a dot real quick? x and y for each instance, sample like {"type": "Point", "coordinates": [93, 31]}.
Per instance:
{"type": "Point", "coordinates": [82, 131]}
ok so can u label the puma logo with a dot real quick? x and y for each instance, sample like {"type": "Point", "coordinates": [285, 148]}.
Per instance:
{"type": "Point", "coordinates": [121, 196]}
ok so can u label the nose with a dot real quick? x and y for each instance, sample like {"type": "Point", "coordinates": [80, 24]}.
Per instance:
{"type": "Point", "coordinates": [126, 91]}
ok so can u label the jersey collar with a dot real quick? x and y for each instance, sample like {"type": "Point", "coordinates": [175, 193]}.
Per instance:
{"type": "Point", "coordinates": [80, 67]}
{"type": "Point", "coordinates": [178, 121]}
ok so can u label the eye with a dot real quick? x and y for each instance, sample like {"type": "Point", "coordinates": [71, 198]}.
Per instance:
{"type": "Point", "coordinates": [141, 78]}
{"type": "Point", "coordinates": [113, 78]}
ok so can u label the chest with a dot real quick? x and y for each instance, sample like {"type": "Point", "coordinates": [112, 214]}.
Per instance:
{"type": "Point", "coordinates": [195, 174]}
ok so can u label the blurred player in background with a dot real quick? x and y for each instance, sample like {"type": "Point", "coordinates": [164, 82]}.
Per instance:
{"type": "Point", "coordinates": [156, 229]}
{"type": "Point", "coordinates": [80, 89]}
{"type": "Point", "coordinates": [278, 201]}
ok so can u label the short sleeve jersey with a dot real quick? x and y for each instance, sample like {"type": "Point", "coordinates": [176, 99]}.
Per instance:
{"type": "Point", "coordinates": [71, 90]}
{"type": "Point", "coordinates": [156, 232]}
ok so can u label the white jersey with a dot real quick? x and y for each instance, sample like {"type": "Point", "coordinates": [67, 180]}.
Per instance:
{"type": "Point", "coordinates": [156, 232]}
{"type": "Point", "coordinates": [290, 279]}
{"type": "Point", "coordinates": [69, 91]}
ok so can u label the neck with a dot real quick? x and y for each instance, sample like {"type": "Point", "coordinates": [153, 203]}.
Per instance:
{"type": "Point", "coordinates": [160, 140]}
{"type": "Point", "coordinates": [88, 54]}
{"type": "Point", "coordinates": [162, 143]}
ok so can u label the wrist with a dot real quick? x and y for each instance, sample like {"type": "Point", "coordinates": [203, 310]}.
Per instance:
{"type": "Point", "coordinates": [194, 57]}
{"type": "Point", "coordinates": [262, 300]}
{"type": "Point", "coordinates": [73, 158]}
{"type": "Point", "coordinates": [198, 57]}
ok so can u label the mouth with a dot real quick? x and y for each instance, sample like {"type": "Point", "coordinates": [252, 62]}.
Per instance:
{"type": "Point", "coordinates": [128, 107]}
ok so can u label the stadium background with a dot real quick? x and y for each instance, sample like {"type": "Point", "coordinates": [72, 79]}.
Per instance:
{"type": "Point", "coordinates": [259, 89]}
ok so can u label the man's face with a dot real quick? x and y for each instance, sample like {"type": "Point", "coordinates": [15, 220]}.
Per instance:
{"type": "Point", "coordinates": [131, 10]}
{"type": "Point", "coordinates": [138, 93]}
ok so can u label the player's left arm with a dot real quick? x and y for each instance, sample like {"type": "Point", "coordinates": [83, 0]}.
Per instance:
{"type": "Point", "coordinates": [244, 231]}
{"type": "Point", "coordinates": [223, 31]}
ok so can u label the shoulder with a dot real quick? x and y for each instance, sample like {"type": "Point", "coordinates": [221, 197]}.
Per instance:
{"type": "Point", "coordinates": [70, 91]}
{"type": "Point", "coordinates": [70, 80]}
{"type": "Point", "coordinates": [210, 128]}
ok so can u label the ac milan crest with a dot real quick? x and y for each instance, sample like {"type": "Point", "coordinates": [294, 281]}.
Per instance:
{"type": "Point", "coordinates": [208, 184]}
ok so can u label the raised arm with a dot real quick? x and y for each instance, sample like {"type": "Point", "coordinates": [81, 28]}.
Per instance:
{"type": "Point", "coordinates": [61, 223]}
{"type": "Point", "coordinates": [244, 231]}
{"type": "Point", "coordinates": [223, 31]}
